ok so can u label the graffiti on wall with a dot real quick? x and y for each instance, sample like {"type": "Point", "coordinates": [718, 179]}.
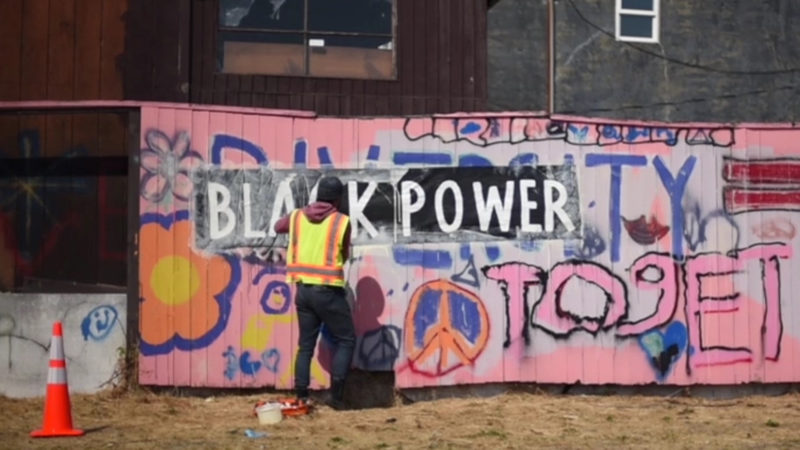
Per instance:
{"type": "Point", "coordinates": [486, 249]}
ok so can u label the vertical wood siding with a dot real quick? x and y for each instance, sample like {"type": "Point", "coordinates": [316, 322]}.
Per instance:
{"type": "Point", "coordinates": [670, 259]}
{"type": "Point", "coordinates": [441, 67]}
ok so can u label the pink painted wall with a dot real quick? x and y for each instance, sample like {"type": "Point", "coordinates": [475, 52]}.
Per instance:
{"type": "Point", "coordinates": [663, 254]}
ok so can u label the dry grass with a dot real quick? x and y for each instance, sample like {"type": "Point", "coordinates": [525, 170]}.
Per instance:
{"type": "Point", "coordinates": [518, 420]}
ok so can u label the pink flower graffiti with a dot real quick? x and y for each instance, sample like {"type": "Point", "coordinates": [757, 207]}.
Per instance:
{"type": "Point", "coordinates": [166, 164]}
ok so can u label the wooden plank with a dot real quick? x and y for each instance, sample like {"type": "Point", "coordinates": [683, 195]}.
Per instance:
{"type": "Point", "coordinates": [181, 86]}
{"type": "Point", "coordinates": [207, 22]}
{"type": "Point", "coordinates": [245, 97]}
{"type": "Point", "coordinates": [165, 42]}
{"type": "Point", "coordinates": [432, 56]}
{"type": "Point", "coordinates": [85, 133]}
{"type": "Point", "coordinates": [61, 50]}
{"type": "Point", "coordinates": [88, 35]}
{"type": "Point", "coordinates": [9, 130]}
{"type": "Point", "coordinates": [111, 48]}
{"type": "Point", "coordinates": [182, 246]}
{"type": "Point", "coordinates": [445, 55]}
{"type": "Point", "coordinates": [59, 134]}
{"type": "Point", "coordinates": [10, 48]}
{"type": "Point", "coordinates": [467, 48]}
{"type": "Point", "coordinates": [455, 49]}
{"type": "Point", "coordinates": [35, 18]}
{"type": "Point", "coordinates": [481, 58]}
{"type": "Point", "coordinates": [196, 52]}
{"type": "Point", "coordinates": [232, 83]}
{"type": "Point", "coordinates": [405, 49]}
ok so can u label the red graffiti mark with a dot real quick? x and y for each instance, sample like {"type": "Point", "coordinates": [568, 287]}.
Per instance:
{"type": "Point", "coordinates": [767, 171]}
{"type": "Point", "coordinates": [775, 229]}
{"type": "Point", "coordinates": [645, 233]}
{"type": "Point", "coordinates": [26, 267]}
{"type": "Point", "coordinates": [741, 200]}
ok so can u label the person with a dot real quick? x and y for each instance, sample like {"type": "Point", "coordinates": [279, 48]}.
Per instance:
{"type": "Point", "coordinates": [319, 241]}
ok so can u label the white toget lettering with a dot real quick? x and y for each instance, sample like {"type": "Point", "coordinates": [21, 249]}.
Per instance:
{"type": "Point", "coordinates": [284, 201]}
{"type": "Point", "coordinates": [408, 207]}
{"type": "Point", "coordinates": [458, 206]}
{"type": "Point", "coordinates": [219, 200]}
{"type": "Point", "coordinates": [526, 206]}
{"type": "Point", "coordinates": [249, 232]}
{"type": "Point", "coordinates": [492, 205]}
{"type": "Point", "coordinates": [557, 207]}
{"type": "Point", "coordinates": [357, 206]}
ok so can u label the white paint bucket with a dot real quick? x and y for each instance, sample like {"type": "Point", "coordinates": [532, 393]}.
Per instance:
{"type": "Point", "coordinates": [269, 413]}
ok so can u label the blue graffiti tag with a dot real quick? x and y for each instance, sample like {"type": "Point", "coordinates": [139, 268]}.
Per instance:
{"type": "Point", "coordinates": [231, 363]}
{"type": "Point", "coordinates": [675, 187]}
{"type": "Point", "coordinates": [271, 359]}
{"type": "Point", "coordinates": [97, 325]}
{"type": "Point", "coordinates": [223, 141]}
{"type": "Point", "coordinates": [247, 366]}
{"type": "Point", "coordinates": [616, 162]}
{"type": "Point", "coordinates": [274, 288]}
{"type": "Point", "coordinates": [664, 349]}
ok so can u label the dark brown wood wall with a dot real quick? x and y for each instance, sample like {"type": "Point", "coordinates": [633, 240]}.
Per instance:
{"type": "Point", "coordinates": [441, 67]}
{"type": "Point", "coordinates": [157, 49]}
{"type": "Point", "coordinates": [61, 49]}
{"type": "Point", "coordinates": [55, 226]}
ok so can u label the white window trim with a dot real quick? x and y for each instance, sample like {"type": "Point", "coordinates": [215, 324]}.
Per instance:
{"type": "Point", "coordinates": [654, 13]}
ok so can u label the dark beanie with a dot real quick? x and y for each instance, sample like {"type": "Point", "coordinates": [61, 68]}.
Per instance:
{"type": "Point", "coordinates": [329, 189]}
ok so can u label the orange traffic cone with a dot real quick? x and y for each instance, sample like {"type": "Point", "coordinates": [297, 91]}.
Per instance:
{"type": "Point", "coordinates": [57, 408]}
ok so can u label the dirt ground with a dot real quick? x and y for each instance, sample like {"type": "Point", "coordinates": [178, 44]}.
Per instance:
{"type": "Point", "coordinates": [144, 419]}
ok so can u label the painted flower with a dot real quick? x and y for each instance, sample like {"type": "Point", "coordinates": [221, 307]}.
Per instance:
{"type": "Point", "coordinates": [166, 164]}
{"type": "Point", "coordinates": [186, 296]}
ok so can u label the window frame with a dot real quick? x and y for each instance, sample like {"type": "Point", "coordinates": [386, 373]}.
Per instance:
{"type": "Point", "coordinates": [654, 14]}
{"type": "Point", "coordinates": [309, 35]}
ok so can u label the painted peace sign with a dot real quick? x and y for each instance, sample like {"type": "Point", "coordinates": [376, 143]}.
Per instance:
{"type": "Point", "coordinates": [444, 321]}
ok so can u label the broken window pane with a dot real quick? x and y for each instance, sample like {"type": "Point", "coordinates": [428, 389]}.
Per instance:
{"type": "Point", "coordinates": [262, 14]}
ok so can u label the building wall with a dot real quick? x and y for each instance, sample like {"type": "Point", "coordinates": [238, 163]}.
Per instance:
{"type": "Point", "coordinates": [644, 253]}
{"type": "Point", "coordinates": [720, 60]}
{"type": "Point", "coordinates": [64, 189]}
{"type": "Point", "coordinates": [517, 49]}
{"type": "Point", "coordinates": [441, 64]}
{"type": "Point", "coordinates": [94, 339]}
{"type": "Point", "coordinates": [61, 50]}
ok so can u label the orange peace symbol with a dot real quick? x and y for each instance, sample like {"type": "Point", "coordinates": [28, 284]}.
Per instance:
{"type": "Point", "coordinates": [443, 319]}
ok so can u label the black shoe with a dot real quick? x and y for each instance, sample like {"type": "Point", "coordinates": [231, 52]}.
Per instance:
{"type": "Point", "coordinates": [337, 405]}
{"type": "Point", "coordinates": [336, 400]}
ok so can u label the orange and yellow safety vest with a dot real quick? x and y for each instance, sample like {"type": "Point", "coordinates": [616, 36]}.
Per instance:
{"type": "Point", "coordinates": [315, 253]}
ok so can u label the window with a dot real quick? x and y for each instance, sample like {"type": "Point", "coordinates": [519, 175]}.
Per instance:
{"type": "Point", "coordinates": [637, 20]}
{"type": "Point", "coordinates": [317, 38]}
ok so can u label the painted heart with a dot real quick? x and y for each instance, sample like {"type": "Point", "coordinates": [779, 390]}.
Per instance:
{"type": "Point", "coordinates": [271, 359]}
{"type": "Point", "coordinates": [664, 349]}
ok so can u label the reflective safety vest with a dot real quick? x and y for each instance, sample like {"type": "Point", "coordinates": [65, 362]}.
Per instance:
{"type": "Point", "coordinates": [315, 249]}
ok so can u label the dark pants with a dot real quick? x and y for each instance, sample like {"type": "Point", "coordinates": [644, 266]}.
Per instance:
{"type": "Point", "coordinates": [318, 304]}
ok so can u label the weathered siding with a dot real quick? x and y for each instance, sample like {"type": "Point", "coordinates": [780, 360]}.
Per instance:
{"type": "Point", "coordinates": [668, 256]}
{"type": "Point", "coordinates": [61, 50]}
{"type": "Point", "coordinates": [441, 67]}
{"type": "Point", "coordinates": [63, 185]}
{"type": "Point", "coordinates": [718, 60]}
{"type": "Point", "coordinates": [517, 64]}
